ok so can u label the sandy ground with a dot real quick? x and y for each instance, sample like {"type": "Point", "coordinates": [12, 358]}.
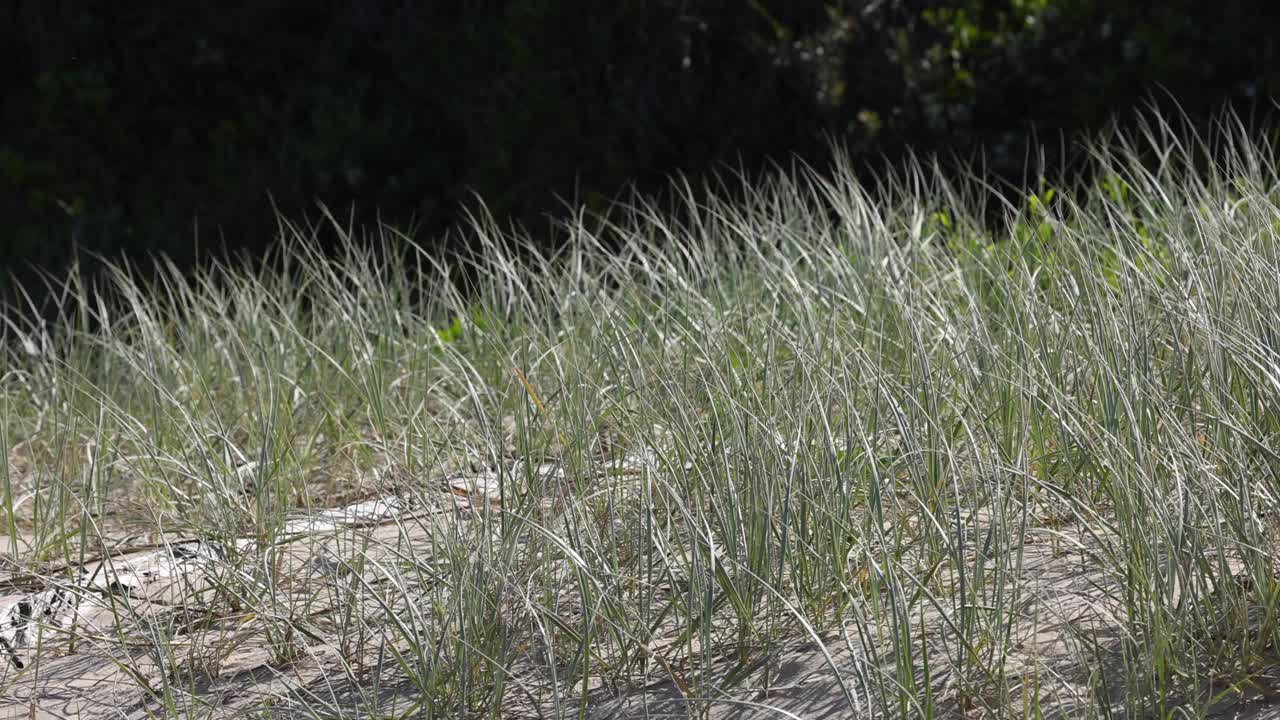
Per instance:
{"type": "Point", "coordinates": [80, 639]}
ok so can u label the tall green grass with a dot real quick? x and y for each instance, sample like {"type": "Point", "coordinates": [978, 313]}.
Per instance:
{"type": "Point", "coordinates": [819, 417]}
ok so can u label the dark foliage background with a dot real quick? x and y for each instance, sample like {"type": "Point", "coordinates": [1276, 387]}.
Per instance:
{"type": "Point", "coordinates": [173, 127]}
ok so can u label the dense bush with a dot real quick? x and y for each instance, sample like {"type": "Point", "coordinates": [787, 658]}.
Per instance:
{"type": "Point", "coordinates": [159, 127]}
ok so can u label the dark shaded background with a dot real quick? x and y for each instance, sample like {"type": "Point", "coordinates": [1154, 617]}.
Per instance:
{"type": "Point", "coordinates": [125, 127]}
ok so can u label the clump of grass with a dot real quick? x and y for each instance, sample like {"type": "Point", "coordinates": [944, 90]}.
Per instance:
{"type": "Point", "coordinates": [1012, 472]}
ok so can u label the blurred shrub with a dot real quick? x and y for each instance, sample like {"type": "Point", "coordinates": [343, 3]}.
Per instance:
{"type": "Point", "coordinates": [167, 127]}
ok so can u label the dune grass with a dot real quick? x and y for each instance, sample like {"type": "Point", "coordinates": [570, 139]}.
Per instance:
{"type": "Point", "coordinates": [817, 418]}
